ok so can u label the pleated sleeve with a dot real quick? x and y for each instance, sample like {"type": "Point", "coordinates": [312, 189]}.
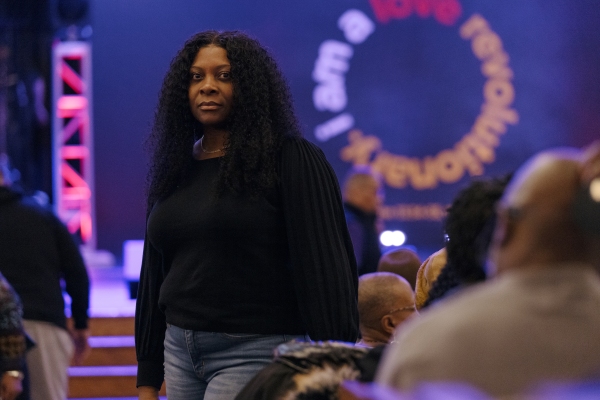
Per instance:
{"type": "Point", "coordinates": [150, 323]}
{"type": "Point", "coordinates": [322, 259]}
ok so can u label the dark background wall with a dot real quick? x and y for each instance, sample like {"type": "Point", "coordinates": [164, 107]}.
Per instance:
{"type": "Point", "coordinates": [414, 83]}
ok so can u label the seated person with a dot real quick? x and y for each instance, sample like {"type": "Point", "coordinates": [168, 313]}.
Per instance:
{"type": "Point", "coordinates": [537, 320]}
{"type": "Point", "coordinates": [305, 370]}
{"type": "Point", "coordinates": [468, 226]}
{"type": "Point", "coordinates": [403, 262]}
{"type": "Point", "coordinates": [385, 300]}
{"type": "Point", "coordinates": [427, 275]}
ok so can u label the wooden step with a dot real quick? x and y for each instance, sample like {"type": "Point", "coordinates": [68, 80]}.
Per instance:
{"type": "Point", "coordinates": [118, 326]}
{"type": "Point", "coordinates": [109, 326]}
{"type": "Point", "coordinates": [109, 372]}
{"type": "Point", "coordinates": [111, 350]}
{"type": "Point", "coordinates": [111, 356]}
{"type": "Point", "coordinates": [104, 386]}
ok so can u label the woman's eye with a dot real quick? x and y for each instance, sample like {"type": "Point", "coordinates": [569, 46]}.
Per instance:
{"type": "Point", "coordinates": [226, 75]}
{"type": "Point", "coordinates": [196, 77]}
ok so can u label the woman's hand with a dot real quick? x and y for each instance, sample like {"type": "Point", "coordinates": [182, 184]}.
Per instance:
{"type": "Point", "coordinates": [10, 386]}
{"type": "Point", "coordinates": [147, 393]}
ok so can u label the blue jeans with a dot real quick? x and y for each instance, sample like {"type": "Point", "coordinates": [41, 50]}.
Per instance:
{"type": "Point", "coordinates": [210, 365]}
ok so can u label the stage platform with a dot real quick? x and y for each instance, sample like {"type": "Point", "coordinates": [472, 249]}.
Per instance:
{"type": "Point", "coordinates": [109, 295]}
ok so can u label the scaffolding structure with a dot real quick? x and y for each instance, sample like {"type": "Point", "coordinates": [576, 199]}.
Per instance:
{"type": "Point", "coordinates": [73, 167]}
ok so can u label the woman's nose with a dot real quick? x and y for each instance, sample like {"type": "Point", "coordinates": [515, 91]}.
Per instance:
{"type": "Point", "coordinates": [208, 86]}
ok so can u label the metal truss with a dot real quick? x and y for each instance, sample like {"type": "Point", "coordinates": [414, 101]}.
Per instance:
{"type": "Point", "coordinates": [73, 167]}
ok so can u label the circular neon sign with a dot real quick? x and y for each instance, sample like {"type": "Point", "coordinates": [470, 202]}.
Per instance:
{"type": "Point", "coordinates": [471, 152]}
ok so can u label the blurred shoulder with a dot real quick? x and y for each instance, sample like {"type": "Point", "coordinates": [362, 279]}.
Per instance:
{"type": "Point", "coordinates": [470, 310]}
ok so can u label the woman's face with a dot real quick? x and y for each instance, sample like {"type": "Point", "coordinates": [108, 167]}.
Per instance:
{"type": "Point", "coordinates": [211, 90]}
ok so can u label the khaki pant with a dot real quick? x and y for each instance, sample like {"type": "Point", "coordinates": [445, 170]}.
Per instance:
{"type": "Point", "coordinates": [49, 360]}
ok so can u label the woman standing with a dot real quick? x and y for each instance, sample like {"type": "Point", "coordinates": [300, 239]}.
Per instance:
{"type": "Point", "coordinates": [246, 243]}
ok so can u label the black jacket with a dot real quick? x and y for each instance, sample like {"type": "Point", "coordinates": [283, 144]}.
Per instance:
{"type": "Point", "coordinates": [36, 252]}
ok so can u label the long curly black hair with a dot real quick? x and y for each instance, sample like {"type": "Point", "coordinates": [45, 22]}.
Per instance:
{"type": "Point", "coordinates": [262, 116]}
{"type": "Point", "coordinates": [469, 227]}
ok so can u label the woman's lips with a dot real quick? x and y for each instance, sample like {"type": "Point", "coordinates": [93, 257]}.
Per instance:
{"type": "Point", "coordinates": [209, 105]}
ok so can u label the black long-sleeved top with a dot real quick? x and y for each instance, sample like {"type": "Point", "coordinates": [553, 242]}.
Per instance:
{"type": "Point", "coordinates": [36, 251]}
{"type": "Point", "coordinates": [279, 264]}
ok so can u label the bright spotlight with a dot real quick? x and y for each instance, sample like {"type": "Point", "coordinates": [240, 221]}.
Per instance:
{"type": "Point", "coordinates": [392, 238]}
{"type": "Point", "coordinates": [386, 238]}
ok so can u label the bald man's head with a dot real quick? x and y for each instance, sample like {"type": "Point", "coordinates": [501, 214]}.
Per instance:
{"type": "Point", "coordinates": [403, 262]}
{"type": "Point", "coordinates": [385, 300]}
{"type": "Point", "coordinates": [535, 220]}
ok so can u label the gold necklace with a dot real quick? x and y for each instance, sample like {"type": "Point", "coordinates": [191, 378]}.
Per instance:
{"type": "Point", "coordinates": [209, 152]}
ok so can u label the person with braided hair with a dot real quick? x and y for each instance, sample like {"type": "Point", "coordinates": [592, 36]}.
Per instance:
{"type": "Point", "coordinates": [246, 243]}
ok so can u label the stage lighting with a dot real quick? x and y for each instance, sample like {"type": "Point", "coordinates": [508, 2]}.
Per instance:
{"type": "Point", "coordinates": [392, 238]}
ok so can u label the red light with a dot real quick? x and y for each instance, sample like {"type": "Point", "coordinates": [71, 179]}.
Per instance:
{"type": "Point", "coordinates": [72, 177]}
{"type": "Point", "coordinates": [71, 78]}
{"type": "Point", "coordinates": [72, 102]}
{"type": "Point", "coordinates": [86, 226]}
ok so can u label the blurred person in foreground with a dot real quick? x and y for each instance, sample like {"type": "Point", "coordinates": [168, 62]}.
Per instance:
{"type": "Point", "coordinates": [306, 370]}
{"type": "Point", "coordinates": [538, 319]}
{"type": "Point", "coordinates": [37, 252]}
